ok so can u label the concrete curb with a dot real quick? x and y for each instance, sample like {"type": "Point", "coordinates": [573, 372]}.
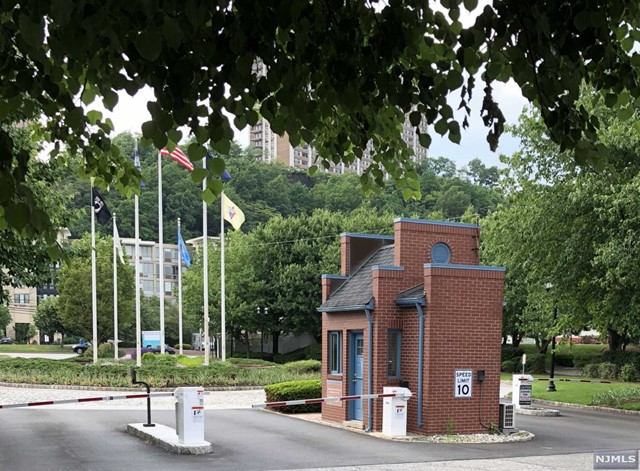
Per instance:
{"type": "Point", "coordinates": [166, 438]}
{"type": "Point", "coordinates": [537, 411]}
{"type": "Point", "coordinates": [568, 405]}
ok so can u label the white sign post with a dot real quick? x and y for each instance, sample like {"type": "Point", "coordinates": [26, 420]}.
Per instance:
{"type": "Point", "coordinates": [463, 384]}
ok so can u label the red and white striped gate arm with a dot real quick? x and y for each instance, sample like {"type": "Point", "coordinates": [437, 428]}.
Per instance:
{"type": "Point", "coordinates": [603, 381]}
{"type": "Point", "coordinates": [86, 399]}
{"type": "Point", "coordinates": [328, 399]}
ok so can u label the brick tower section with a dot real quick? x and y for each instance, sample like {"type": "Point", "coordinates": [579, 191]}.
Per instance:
{"type": "Point", "coordinates": [414, 239]}
{"type": "Point", "coordinates": [463, 324]}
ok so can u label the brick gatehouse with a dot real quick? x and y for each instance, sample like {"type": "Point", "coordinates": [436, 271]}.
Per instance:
{"type": "Point", "coordinates": [417, 310]}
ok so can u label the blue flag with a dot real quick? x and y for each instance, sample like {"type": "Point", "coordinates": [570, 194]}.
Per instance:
{"type": "Point", "coordinates": [184, 253]}
{"type": "Point", "coordinates": [136, 163]}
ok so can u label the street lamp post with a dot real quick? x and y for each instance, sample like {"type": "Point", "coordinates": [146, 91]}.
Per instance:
{"type": "Point", "coordinates": [262, 313]}
{"type": "Point", "coordinates": [552, 385]}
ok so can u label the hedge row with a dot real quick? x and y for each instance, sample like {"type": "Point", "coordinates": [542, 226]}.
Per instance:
{"type": "Point", "coordinates": [294, 390]}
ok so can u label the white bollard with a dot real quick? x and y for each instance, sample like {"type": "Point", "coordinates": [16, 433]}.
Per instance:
{"type": "Point", "coordinates": [190, 415]}
{"type": "Point", "coordinates": [394, 412]}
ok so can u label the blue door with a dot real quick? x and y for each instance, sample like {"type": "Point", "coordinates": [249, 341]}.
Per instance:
{"type": "Point", "coordinates": [356, 374]}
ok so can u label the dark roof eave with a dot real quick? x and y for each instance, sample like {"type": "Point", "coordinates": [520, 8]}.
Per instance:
{"type": "Point", "coordinates": [357, 307]}
{"type": "Point", "coordinates": [410, 302]}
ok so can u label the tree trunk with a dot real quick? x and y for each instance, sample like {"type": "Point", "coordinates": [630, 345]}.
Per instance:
{"type": "Point", "coordinates": [275, 336]}
{"type": "Point", "coordinates": [615, 340]}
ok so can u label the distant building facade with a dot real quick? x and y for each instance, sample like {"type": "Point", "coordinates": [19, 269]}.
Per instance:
{"type": "Point", "coordinates": [273, 148]}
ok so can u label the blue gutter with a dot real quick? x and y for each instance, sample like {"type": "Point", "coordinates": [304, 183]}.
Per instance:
{"type": "Point", "coordinates": [367, 312]}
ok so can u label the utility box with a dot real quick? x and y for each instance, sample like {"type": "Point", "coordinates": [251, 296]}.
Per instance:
{"type": "Point", "coordinates": [521, 395]}
{"type": "Point", "coordinates": [394, 412]}
{"type": "Point", "coordinates": [190, 415]}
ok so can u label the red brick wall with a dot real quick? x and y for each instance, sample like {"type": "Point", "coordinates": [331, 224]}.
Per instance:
{"type": "Point", "coordinates": [345, 256]}
{"type": "Point", "coordinates": [387, 283]}
{"type": "Point", "coordinates": [463, 324]}
{"type": "Point", "coordinates": [344, 322]}
{"type": "Point", "coordinates": [414, 239]}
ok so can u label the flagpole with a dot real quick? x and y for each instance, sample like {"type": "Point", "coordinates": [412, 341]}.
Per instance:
{"type": "Point", "coordinates": [136, 257]}
{"type": "Point", "coordinates": [94, 296]}
{"type": "Point", "coordinates": [205, 269]}
{"type": "Point", "coordinates": [161, 254]}
{"type": "Point", "coordinates": [223, 330]}
{"type": "Point", "coordinates": [115, 290]}
{"type": "Point", "coordinates": [179, 293]}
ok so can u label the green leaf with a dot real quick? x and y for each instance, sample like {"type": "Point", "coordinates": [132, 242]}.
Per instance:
{"type": "Point", "coordinates": [208, 196]}
{"type": "Point", "coordinates": [582, 20]}
{"type": "Point", "coordinates": [33, 33]}
{"type": "Point", "coordinates": [610, 100]}
{"type": "Point", "coordinates": [196, 152]}
{"type": "Point", "coordinates": [17, 215]}
{"type": "Point", "coordinates": [470, 4]}
{"type": "Point", "coordinates": [198, 174]}
{"type": "Point", "coordinates": [415, 118]}
{"type": "Point", "coordinates": [149, 44]}
{"type": "Point", "coordinates": [110, 99]}
{"type": "Point", "coordinates": [441, 126]}
{"type": "Point", "coordinates": [217, 165]}
{"type": "Point", "coordinates": [94, 116]}
{"type": "Point", "coordinates": [148, 129]}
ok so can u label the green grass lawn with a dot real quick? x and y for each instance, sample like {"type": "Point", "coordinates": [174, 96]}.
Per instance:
{"type": "Point", "coordinates": [22, 348]}
{"type": "Point", "coordinates": [565, 349]}
{"type": "Point", "coordinates": [574, 392]}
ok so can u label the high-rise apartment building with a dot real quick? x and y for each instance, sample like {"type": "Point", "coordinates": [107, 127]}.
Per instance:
{"type": "Point", "coordinates": [273, 148]}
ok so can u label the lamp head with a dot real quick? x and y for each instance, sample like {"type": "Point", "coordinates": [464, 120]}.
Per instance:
{"type": "Point", "coordinates": [548, 286]}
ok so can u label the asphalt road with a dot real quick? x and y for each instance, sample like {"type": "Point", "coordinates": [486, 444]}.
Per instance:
{"type": "Point", "coordinates": [41, 438]}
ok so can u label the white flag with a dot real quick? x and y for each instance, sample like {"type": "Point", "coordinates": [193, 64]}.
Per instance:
{"type": "Point", "coordinates": [116, 242]}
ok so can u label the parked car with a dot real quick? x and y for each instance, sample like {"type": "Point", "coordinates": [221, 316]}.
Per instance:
{"type": "Point", "coordinates": [155, 349]}
{"type": "Point", "coordinates": [80, 348]}
{"type": "Point", "coordinates": [167, 349]}
{"type": "Point", "coordinates": [6, 340]}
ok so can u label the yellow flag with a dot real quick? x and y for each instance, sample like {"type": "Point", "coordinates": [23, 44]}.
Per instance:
{"type": "Point", "coordinates": [231, 212]}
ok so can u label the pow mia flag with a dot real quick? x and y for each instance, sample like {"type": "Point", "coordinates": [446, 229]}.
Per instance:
{"type": "Point", "coordinates": [100, 207]}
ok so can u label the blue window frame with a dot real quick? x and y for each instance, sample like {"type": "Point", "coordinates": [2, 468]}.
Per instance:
{"type": "Point", "coordinates": [394, 346]}
{"type": "Point", "coordinates": [335, 352]}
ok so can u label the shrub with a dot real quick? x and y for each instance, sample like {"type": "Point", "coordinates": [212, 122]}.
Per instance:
{"type": "Point", "coordinates": [159, 359]}
{"type": "Point", "coordinates": [304, 366]}
{"type": "Point", "coordinates": [510, 366]}
{"type": "Point", "coordinates": [509, 352]}
{"type": "Point", "coordinates": [592, 370]}
{"type": "Point", "coordinates": [185, 346]}
{"type": "Point", "coordinates": [580, 361]}
{"type": "Point", "coordinates": [105, 350]}
{"type": "Point", "coordinates": [615, 398]}
{"type": "Point", "coordinates": [608, 370]}
{"type": "Point", "coordinates": [535, 363]}
{"type": "Point", "coordinates": [629, 373]}
{"type": "Point", "coordinates": [566, 359]}
{"type": "Point", "coordinates": [621, 358]}
{"type": "Point", "coordinates": [294, 390]}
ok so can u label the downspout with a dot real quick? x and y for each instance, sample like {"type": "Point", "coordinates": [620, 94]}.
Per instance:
{"type": "Point", "coordinates": [367, 311]}
{"type": "Point", "coordinates": [420, 359]}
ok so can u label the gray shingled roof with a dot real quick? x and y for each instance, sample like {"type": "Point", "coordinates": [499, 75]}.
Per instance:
{"type": "Point", "coordinates": [412, 293]}
{"type": "Point", "coordinates": [358, 289]}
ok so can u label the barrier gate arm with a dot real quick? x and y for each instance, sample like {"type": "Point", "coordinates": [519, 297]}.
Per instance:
{"type": "Point", "coordinates": [328, 399]}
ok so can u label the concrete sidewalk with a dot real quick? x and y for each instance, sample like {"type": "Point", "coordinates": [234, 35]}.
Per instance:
{"type": "Point", "coordinates": [571, 462]}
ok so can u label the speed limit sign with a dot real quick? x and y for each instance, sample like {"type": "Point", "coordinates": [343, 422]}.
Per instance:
{"type": "Point", "coordinates": [463, 383]}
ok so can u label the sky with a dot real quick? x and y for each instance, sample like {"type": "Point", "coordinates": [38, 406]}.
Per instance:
{"type": "Point", "coordinates": [131, 112]}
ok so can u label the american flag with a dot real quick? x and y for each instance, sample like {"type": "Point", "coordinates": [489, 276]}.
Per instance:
{"type": "Point", "coordinates": [179, 156]}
